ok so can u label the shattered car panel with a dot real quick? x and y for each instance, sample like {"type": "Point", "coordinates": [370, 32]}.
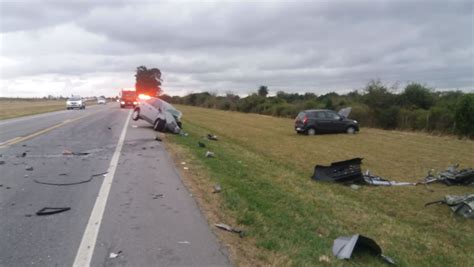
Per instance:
{"type": "Point", "coordinates": [460, 205]}
{"type": "Point", "coordinates": [344, 246]}
{"type": "Point", "coordinates": [452, 176]}
{"type": "Point", "coordinates": [347, 171]}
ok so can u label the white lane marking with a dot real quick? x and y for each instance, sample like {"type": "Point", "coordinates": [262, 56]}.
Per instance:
{"type": "Point", "coordinates": [86, 249]}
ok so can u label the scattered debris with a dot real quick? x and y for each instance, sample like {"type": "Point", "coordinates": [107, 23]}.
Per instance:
{"type": "Point", "coordinates": [451, 176]}
{"type": "Point", "coordinates": [63, 174]}
{"type": "Point", "coordinates": [134, 126]}
{"type": "Point", "coordinates": [51, 211]}
{"type": "Point", "coordinates": [28, 215]}
{"type": "Point", "coordinates": [183, 133]}
{"type": "Point", "coordinates": [324, 258]}
{"type": "Point", "coordinates": [355, 187]}
{"type": "Point", "coordinates": [344, 246]}
{"type": "Point", "coordinates": [143, 148]}
{"type": "Point", "coordinates": [26, 176]}
{"type": "Point", "coordinates": [158, 196]}
{"type": "Point", "coordinates": [184, 242]}
{"type": "Point", "coordinates": [460, 205]}
{"type": "Point", "coordinates": [217, 188]}
{"type": "Point", "coordinates": [210, 154]}
{"type": "Point", "coordinates": [157, 138]}
{"type": "Point", "coordinates": [109, 128]}
{"type": "Point", "coordinates": [377, 180]}
{"type": "Point", "coordinates": [212, 137]}
{"type": "Point", "coordinates": [29, 168]}
{"type": "Point", "coordinates": [183, 163]}
{"type": "Point", "coordinates": [349, 172]}
{"type": "Point", "coordinates": [230, 229]}
{"type": "Point", "coordinates": [75, 183]}
{"type": "Point", "coordinates": [2, 162]}
{"type": "Point", "coordinates": [23, 154]}
{"type": "Point", "coordinates": [186, 168]}
{"type": "Point", "coordinates": [201, 144]}
{"type": "Point", "coordinates": [115, 255]}
{"type": "Point", "coordinates": [68, 153]}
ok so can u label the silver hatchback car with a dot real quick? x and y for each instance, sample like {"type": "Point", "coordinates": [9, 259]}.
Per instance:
{"type": "Point", "coordinates": [159, 113]}
{"type": "Point", "coordinates": [75, 102]}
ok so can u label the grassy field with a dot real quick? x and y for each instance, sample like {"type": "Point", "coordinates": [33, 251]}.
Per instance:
{"type": "Point", "coordinates": [264, 169]}
{"type": "Point", "coordinates": [12, 108]}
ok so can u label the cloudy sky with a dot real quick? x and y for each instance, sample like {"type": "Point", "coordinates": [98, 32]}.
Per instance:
{"type": "Point", "coordinates": [93, 47]}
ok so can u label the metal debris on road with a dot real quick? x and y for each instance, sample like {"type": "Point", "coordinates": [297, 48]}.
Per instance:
{"type": "Point", "coordinates": [460, 205]}
{"type": "Point", "coordinates": [344, 246]}
{"type": "Point", "coordinates": [184, 242]}
{"type": "Point", "coordinates": [158, 196]}
{"type": "Point", "coordinates": [157, 138]}
{"type": "Point", "coordinates": [2, 162]}
{"type": "Point", "coordinates": [217, 188]}
{"type": "Point", "coordinates": [69, 153]}
{"type": "Point", "coordinates": [229, 228]}
{"type": "Point", "coordinates": [29, 168]}
{"type": "Point", "coordinates": [23, 154]}
{"type": "Point", "coordinates": [210, 154]}
{"type": "Point", "coordinates": [115, 255]}
{"type": "Point", "coordinates": [74, 183]}
{"type": "Point", "coordinates": [134, 126]}
{"type": "Point", "coordinates": [50, 211]}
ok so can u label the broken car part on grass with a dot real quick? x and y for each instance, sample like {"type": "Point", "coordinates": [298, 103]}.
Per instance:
{"type": "Point", "coordinates": [50, 211]}
{"type": "Point", "coordinates": [345, 246]}
{"type": "Point", "coordinates": [460, 205]}
{"type": "Point", "coordinates": [212, 137]}
{"type": "Point", "coordinates": [73, 183]}
{"type": "Point", "coordinates": [230, 229]}
{"type": "Point", "coordinates": [451, 176]}
{"type": "Point", "coordinates": [349, 172]}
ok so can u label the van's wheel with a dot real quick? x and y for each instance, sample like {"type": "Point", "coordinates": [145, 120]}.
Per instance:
{"type": "Point", "coordinates": [136, 114]}
{"type": "Point", "coordinates": [159, 125]}
{"type": "Point", "coordinates": [350, 130]}
{"type": "Point", "coordinates": [311, 131]}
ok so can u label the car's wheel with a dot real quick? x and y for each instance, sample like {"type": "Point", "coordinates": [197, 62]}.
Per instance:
{"type": "Point", "coordinates": [350, 130]}
{"type": "Point", "coordinates": [311, 131]}
{"type": "Point", "coordinates": [136, 114]}
{"type": "Point", "coordinates": [159, 125]}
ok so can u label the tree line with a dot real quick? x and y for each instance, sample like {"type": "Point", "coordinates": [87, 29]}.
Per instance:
{"type": "Point", "coordinates": [417, 107]}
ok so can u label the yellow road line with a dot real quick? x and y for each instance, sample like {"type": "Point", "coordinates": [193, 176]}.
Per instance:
{"type": "Point", "coordinates": [19, 139]}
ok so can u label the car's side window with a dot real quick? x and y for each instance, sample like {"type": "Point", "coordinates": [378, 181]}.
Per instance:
{"type": "Point", "coordinates": [320, 115]}
{"type": "Point", "coordinates": [332, 116]}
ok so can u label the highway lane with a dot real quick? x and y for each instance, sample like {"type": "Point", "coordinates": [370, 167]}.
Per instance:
{"type": "Point", "coordinates": [15, 128]}
{"type": "Point", "coordinates": [149, 217]}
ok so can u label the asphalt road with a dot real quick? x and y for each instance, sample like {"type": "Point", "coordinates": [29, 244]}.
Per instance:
{"type": "Point", "coordinates": [137, 214]}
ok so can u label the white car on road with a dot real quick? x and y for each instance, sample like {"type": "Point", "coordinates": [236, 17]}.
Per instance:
{"type": "Point", "coordinates": [75, 102]}
{"type": "Point", "coordinates": [162, 115]}
{"type": "Point", "coordinates": [101, 101]}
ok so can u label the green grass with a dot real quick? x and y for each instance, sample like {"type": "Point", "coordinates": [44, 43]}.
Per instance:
{"type": "Point", "coordinates": [18, 107]}
{"type": "Point", "coordinates": [264, 169]}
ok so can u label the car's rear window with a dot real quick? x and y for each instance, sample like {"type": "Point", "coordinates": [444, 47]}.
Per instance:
{"type": "Point", "coordinates": [301, 115]}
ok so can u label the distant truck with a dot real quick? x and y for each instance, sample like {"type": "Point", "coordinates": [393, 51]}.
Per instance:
{"type": "Point", "coordinates": [128, 98]}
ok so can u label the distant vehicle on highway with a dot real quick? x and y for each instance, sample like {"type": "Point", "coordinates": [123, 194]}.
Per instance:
{"type": "Point", "coordinates": [128, 98]}
{"type": "Point", "coordinates": [325, 121]}
{"type": "Point", "coordinates": [101, 101]}
{"type": "Point", "coordinates": [162, 115]}
{"type": "Point", "coordinates": [75, 102]}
